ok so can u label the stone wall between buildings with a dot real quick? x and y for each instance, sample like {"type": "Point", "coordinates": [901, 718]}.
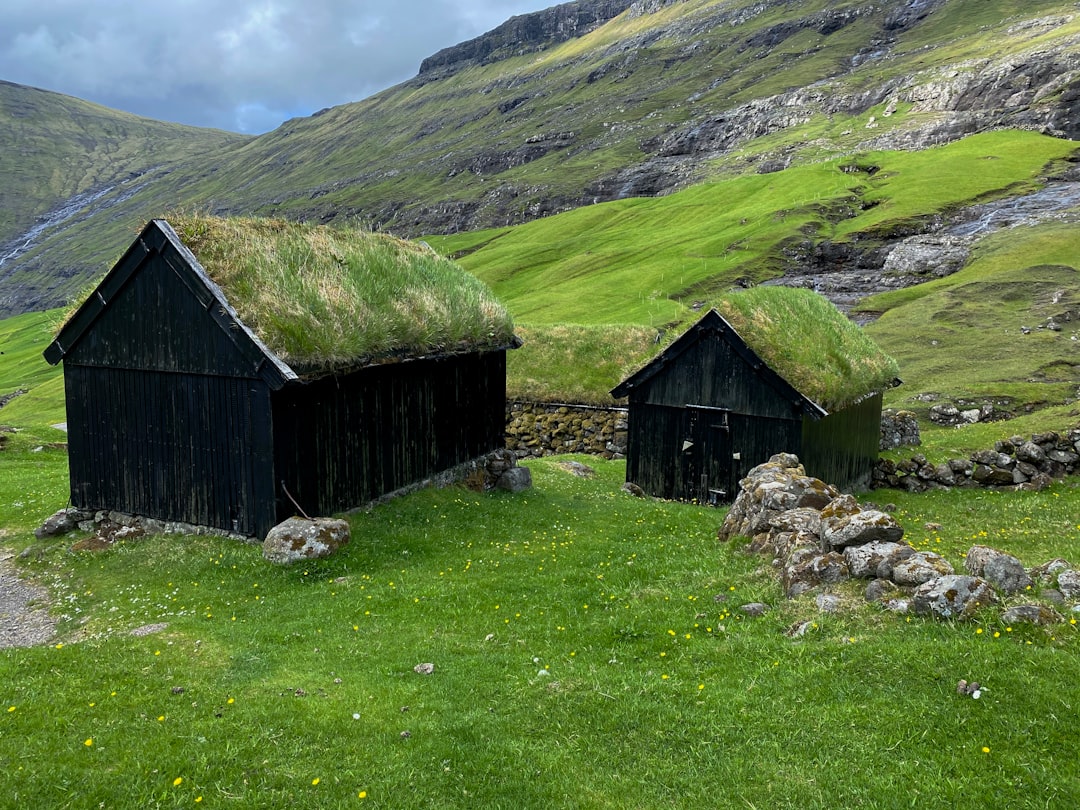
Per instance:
{"type": "Point", "coordinates": [535, 429]}
{"type": "Point", "coordinates": [1016, 462]}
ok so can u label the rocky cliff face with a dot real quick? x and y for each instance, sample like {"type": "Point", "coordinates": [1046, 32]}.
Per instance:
{"type": "Point", "coordinates": [527, 33]}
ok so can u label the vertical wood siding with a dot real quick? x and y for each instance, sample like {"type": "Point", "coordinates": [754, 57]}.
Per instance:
{"type": "Point", "coordinates": [842, 448]}
{"type": "Point", "coordinates": [157, 322]}
{"type": "Point", "coordinates": [704, 419]}
{"type": "Point", "coordinates": [660, 461]}
{"type": "Point", "coordinates": [340, 442]}
{"type": "Point", "coordinates": [170, 446]}
{"type": "Point", "coordinates": [712, 373]}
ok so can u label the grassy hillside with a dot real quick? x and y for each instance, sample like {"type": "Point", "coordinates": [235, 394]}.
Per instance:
{"type": "Point", "coordinates": [56, 147]}
{"type": "Point", "coordinates": [657, 99]}
{"type": "Point", "coordinates": [64, 158]}
{"type": "Point", "coordinates": [646, 260]}
{"type": "Point", "coordinates": [629, 273]}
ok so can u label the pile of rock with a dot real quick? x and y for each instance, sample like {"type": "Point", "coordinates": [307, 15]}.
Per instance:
{"type": "Point", "coordinates": [818, 537]}
{"type": "Point", "coordinates": [1016, 462]}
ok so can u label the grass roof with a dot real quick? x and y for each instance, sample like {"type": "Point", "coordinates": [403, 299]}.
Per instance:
{"type": "Point", "coordinates": [321, 296]}
{"type": "Point", "coordinates": [810, 343]}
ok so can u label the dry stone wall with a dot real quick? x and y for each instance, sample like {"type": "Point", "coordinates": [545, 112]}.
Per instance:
{"type": "Point", "coordinates": [545, 429]}
{"type": "Point", "coordinates": [1031, 463]}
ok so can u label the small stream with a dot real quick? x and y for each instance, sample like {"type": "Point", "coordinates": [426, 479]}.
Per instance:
{"type": "Point", "coordinates": [1056, 201]}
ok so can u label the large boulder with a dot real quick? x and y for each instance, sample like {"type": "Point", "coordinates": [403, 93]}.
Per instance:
{"type": "Point", "coordinates": [953, 597]}
{"type": "Point", "coordinates": [1003, 571]}
{"type": "Point", "coordinates": [807, 568]}
{"type": "Point", "coordinates": [516, 479]}
{"type": "Point", "coordinates": [768, 490]}
{"type": "Point", "coordinates": [298, 539]}
{"type": "Point", "coordinates": [869, 526]}
{"type": "Point", "coordinates": [62, 522]}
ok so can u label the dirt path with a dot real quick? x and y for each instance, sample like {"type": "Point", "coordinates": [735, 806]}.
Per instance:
{"type": "Point", "coordinates": [24, 613]}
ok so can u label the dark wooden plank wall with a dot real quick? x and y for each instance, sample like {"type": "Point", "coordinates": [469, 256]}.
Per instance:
{"type": "Point", "coordinates": [170, 446]}
{"type": "Point", "coordinates": [842, 448]}
{"type": "Point", "coordinates": [712, 373]}
{"type": "Point", "coordinates": [657, 462]}
{"type": "Point", "coordinates": [340, 442]}
{"type": "Point", "coordinates": [158, 322]}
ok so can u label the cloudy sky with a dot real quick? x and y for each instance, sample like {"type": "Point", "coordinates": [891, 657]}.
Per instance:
{"type": "Point", "coordinates": [241, 65]}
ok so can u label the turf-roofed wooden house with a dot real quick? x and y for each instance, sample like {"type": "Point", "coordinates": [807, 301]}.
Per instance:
{"type": "Point", "coordinates": [794, 376]}
{"type": "Point", "coordinates": [222, 369]}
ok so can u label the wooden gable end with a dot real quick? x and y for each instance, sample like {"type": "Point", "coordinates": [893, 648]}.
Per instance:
{"type": "Point", "coordinates": [710, 365]}
{"type": "Point", "coordinates": [157, 310]}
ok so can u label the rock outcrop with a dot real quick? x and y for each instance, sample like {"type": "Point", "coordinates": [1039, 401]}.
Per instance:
{"type": "Point", "coordinates": [523, 34]}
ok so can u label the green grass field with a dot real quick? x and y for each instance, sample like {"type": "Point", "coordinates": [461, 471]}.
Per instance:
{"type": "Point", "coordinates": [588, 652]}
{"type": "Point", "coordinates": [588, 648]}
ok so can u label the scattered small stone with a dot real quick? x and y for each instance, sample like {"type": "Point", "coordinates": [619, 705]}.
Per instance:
{"type": "Point", "coordinates": [879, 589]}
{"type": "Point", "coordinates": [149, 629]}
{"type": "Point", "coordinates": [965, 689]}
{"type": "Point", "coordinates": [1068, 583]}
{"type": "Point", "coordinates": [799, 629]}
{"type": "Point", "coordinates": [1053, 595]}
{"type": "Point", "coordinates": [424, 669]}
{"type": "Point", "coordinates": [754, 609]}
{"type": "Point", "coordinates": [1031, 614]}
{"type": "Point", "coordinates": [406, 734]}
{"type": "Point", "coordinates": [177, 690]}
{"type": "Point", "coordinates": [900, 606]}
{"type": "Point", "coordinates": [578, 469]}
{"type": "Point", "coordinates": [633, 489]}
{"type": "Point", "coordinates": [827, 602]}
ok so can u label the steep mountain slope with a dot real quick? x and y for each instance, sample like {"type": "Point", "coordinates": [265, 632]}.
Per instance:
{"type": "Point", "coordinates": [605, 100]}
{"type": "Point", "coordinates": [60, 156]}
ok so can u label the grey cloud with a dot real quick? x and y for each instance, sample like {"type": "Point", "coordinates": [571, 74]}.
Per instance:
{"type": "Point", "coordinates": [245, 65]}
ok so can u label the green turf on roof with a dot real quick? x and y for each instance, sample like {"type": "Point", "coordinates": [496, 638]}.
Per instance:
{"type": "Point", "coordinates": [810, 343]}
{"type": "Point", "coordinates": [322, 296]}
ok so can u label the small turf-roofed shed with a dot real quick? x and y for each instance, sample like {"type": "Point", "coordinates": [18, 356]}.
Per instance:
{"type": "Point", "coordinates": [223, 367]}
{"type": "Point", "coordinates": [781, 370]}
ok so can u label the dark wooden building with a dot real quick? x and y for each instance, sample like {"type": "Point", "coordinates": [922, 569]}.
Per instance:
{"type": "Point", "coordinates": [708, 409]}
{"type": "Point", "coordinates": [177, 410]}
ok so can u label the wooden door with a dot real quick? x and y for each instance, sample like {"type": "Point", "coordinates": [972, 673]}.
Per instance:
{"type": "Point", "coordinates": [706, 466]}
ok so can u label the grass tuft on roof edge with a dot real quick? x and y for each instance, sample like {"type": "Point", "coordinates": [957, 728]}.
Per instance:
{"type": "Point", "coordinates": [325, 297]}
{"type": "Point", "coordinates": [810, 343]}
